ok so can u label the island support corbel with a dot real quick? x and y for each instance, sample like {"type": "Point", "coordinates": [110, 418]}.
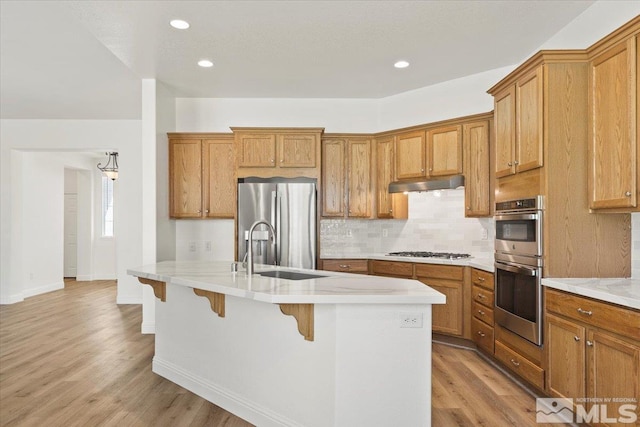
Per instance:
{"type": "Point", "coordinates": [303, 314]}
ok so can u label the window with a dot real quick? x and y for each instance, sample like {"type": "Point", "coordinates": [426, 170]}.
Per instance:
{"type": "Point", "coordinates": [107, 207]}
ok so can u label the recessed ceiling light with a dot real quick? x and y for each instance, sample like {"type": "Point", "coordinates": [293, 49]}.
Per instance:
{"type": "Point", "coordinates": [179, 24]}
{"type": "Point", "coordinates": [401, 64]}
{"type": "Point", "coordinates": [205, 63]}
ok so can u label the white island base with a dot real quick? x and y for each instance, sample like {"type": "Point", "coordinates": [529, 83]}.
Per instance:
{"type": "Point", "coordinates": [360, 369]}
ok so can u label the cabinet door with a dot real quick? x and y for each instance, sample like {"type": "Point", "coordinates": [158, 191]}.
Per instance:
{"type": "Point", "coordinates": [359, 178]}
{"type": "Point", "coordinates": [445, 151]}
{"type": "Point", "coordinates": [297, 151]}
{"type": "Point", "coordinates": [565, 344]}
{"type": "Point", "coordinates": [505, 123]}
{"type": "Point", "coordinates": [612, 128]}
{"type": "Point", "coordinates": [410, 155]}
{"type": "Point", "coordinates": [613, 370]}
{"type": "Point", "coordinates": [333, 177]}
{"type": "Point", "coordinates": [476, 169]}
{"type": "Point", "coordinates": [256, 150]}
{"type": "Point", "coordinates": [529, 133]}
{"type": "Point", "coordinates": [219, 178]}
{"type": "Point", "coordinates": [388, 205]}
{"type": "Point", "coordinates": [185, 178]}
{"type": "Point", "coordinates": [447, 318]}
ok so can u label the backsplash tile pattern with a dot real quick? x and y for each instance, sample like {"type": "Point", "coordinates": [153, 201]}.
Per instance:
{"type": "Point", "coordinates": [635, 245]}
{"type": "Point", "coordinates": [436, 223]}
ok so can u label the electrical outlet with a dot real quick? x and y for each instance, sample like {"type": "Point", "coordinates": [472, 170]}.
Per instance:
{"type": "Point", "coordinates": [385, 232]}
{"type": "Point", "coordinates": [411, 320]}
{"type": "Point", "coordinates": [485, 234]}
{"type": "Point", "coordinates": [349, 233]}
{"type": "Point", "coordinates": [192, 246]}
{"type": "Point", "coordinates": [207, 246]}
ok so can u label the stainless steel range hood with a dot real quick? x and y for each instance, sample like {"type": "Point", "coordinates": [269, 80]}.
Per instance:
{"type": "Point", "coordinates": [448, 183]}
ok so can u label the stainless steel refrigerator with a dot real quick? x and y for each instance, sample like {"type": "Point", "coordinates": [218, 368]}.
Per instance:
{"type": "Point", "coordinates": [289, 205]}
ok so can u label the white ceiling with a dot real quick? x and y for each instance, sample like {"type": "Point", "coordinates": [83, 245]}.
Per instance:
{"type": "Point", "coordinates": [85, 59]}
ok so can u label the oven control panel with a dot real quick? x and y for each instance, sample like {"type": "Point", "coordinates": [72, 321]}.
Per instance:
{"type": "Point", "coordinates": [535, 203]}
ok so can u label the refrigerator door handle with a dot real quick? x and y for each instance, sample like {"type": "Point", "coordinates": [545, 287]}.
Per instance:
{"type": "Point", "coordinates": [275, 222]}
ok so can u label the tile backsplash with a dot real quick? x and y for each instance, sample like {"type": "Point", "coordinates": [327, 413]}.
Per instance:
{"type": "Point", "coordinates": [436, 223]}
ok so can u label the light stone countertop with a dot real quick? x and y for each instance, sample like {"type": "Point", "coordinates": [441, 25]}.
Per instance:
{"type": "Point", "coordinates": [333, 288]}
{"type": "Point", "coordinates": [485, 264]}
{"type": "Point", "coordinates": [625, 292]}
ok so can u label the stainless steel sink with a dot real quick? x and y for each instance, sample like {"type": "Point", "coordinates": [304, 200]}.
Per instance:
{"type": "Point", "coordinates": [290, 275]}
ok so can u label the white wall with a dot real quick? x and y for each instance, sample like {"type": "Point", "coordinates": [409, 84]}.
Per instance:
{"type": "Point", "coordinates": [17, 186]}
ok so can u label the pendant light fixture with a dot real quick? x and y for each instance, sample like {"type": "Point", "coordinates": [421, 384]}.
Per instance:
{"type": "Point", "coordinates": [110, 170]}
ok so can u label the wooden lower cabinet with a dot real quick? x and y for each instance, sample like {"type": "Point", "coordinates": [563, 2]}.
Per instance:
{"type": "Point", "coordinates": [449, 280]}
{"type": "Point", "coordinates": [520, 356]}
{"type": "Point", "coordinates": [392, 269]}
{"type": "Point", "coordinates": [592, 351]}
{"type": "Point", "coordinates": [360, 266]}
{"type": "Point", "coordinates": [482, 305]}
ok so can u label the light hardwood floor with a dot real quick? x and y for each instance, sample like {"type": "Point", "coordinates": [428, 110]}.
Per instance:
{"type": "Point", "coordinates": [75, 358]}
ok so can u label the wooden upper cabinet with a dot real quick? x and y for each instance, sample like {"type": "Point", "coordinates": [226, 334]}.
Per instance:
{"type": "Point", "coordinates": [202, 181]}
{"type": "Point", "coordinates": [410, 155]}
{"type": "Point", "coordinates": [444, 148]}
{"type": "Point", "coordinates": [256, 150]}
{"type": "Point", "coordinates": [477, 191]}
{"type": "Point", "coordinates": [278, 152]}
{"type": "Point", "coordinates": [388, 205]}
{"type": "Point", "coordinates": [346, 177]}
{"type": "Point", "coordinates": [359, 178]}
{"type": "Point", "coordinates": [529, 131]}
{"type": "Point", "coordinates": [505, 124]}
{"type": "Point", "coordinates": [185, 178]}
{"type": "Point", "coordinates": [519, 123]}
{"type": "Point", "coordinates": [297, 151]}
{"type": "Point", "coordinates": [613, 121]}
{"type": "Point", "coordinates": [333, 177]}
{"type": "Point", "coordinates": [219, 183]}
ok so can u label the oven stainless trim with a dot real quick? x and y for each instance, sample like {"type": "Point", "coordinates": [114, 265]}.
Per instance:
{"type": "Point", "coordinates": [528, 330]}
{"type": "Point", "coordinates": [523, 260]}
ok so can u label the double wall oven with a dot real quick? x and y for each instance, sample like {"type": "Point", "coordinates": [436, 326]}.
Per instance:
{"type": "Point", "coordinates": [518, 267]}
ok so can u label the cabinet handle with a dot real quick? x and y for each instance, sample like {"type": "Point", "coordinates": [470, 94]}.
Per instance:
{"type": "Point", "coordinates": [515, 363]}
{"type": "Point", "coordinates": [482, 334]}
{"type": "Point", "coordinates": [585, 312]}
{"type": "Point", "coordinates": [422, 170]}
{"type": "Point", "coordinates": [468, 208]}
{"type": "Point", "coordinates": [199, 211]}
{"type": "Point", "coordinates": [628, 194]}
{"type": "Point", "coordinates": [390, 210]}
{"type": "Point", "coordinates": [576, 338]}
{"type": "Point", "coordinates": [509, 164]}
{"type": "Point", "coordinates": [281, 160]}
{"type": "Point", "coordinates": [516, 163]}
{"type": "Point", "coordinates": [271, 160]}
{"type": "Point", "coordinates": [590, 343]}
{"type": "Point", "coordinates": [481, 296]}
{"type": "Point", "coordinates": [344, 266]}
{"type": "Point", "coordinates": [430, 169]}
{"type": "Point", "coordinates": [481, 313]}
{"type": "Point", "coordinates": [206, 211]}
{"type": "Point", "coordinates": [481, 279]}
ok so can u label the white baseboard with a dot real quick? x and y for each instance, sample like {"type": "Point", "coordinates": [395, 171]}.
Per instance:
{"type": "Point", "coordinates": [11, 299]}
{"type": "Point", "coordinates": [148, 328]}
{"type": "Point", "coordinates": [128, 299]}
{"type": "Point", "coordinates": [226, 399]}
{"type": "Point", "coordinates": [84, 278]}
{"type": "Point", "coordinates": [56, 286]}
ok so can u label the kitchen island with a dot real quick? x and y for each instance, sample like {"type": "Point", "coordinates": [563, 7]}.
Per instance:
{"type": "Point", "coordinates": [335, 350]}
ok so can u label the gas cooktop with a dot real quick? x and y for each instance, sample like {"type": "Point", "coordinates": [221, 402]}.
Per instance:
{"type": "Point", "coordinates": [422, 254]}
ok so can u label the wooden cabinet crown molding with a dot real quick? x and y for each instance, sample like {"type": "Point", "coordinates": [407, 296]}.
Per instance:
{"type": "Point", "coordinates": [200, 135]}
{"type": "Point", "coordinates": [277, 130]}
{"type": "Point", "coordinates": [622, 33]}
{"type": "Point", "coordinates": [433, 125]}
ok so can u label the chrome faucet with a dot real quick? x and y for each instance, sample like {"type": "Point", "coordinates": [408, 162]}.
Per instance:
{"type": "Point", "coordinates": [250, 248]}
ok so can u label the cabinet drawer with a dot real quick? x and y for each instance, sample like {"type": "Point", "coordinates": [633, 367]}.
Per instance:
{"type": "Point", "coordinates": [346, 265]}
{"type": "Point", "coordinates": [482, 295]}
{"type": "Point", "coordinates": [620, 320]}
{"type": "Point", "coordinates": [482, 335]}
{"type": "Point", "coordinates": [392, 268]}
{"type": "Point", "coordinates": [482, 278]}
{"type": "Point", "coordinates": [520, 365]}
{"type": "Point", "coordinates": [437, 271]}
{"type": "Point", "coordinates": [482, 312]}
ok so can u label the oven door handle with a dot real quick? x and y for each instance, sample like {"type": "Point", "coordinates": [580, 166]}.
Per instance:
{"type": "Point", "coordinates": [516, 217]}
{"type": "Point", "coordinates": [515, 269]}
